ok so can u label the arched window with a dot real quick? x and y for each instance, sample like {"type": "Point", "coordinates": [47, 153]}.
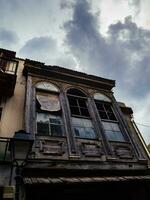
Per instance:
{"type": "Point", "coordinates": [81, 122]}
{"type": "Point", "coordinates": [48, 109]}
{"type": "Point", "coordinates": [108, 118]}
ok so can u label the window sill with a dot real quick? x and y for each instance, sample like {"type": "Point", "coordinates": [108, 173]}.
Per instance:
{"type": "Point", "coordinates": [48, 136]}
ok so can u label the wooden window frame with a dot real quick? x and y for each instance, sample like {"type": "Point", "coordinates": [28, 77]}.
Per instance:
{"type": "Point", "coordinates": [52, 113]}
{"type": "Point", "coordinates": [110, 120]}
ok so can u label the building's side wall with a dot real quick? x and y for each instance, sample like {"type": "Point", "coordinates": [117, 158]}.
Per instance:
{"type": "Point", "coordinates": [144, 154]}
{"type": "Point", "coordinates": [12, 118]}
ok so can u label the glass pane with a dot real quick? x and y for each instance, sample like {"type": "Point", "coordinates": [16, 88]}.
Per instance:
{"type": "Point", "coordinates": [42, 128]}
{"type": "Point", "coordinates": [72, 101]}
{"type": "Point", "coordinates": [103, 115]}
{"type": "Point", "coordinates": [101, 97]}
{"type": "Point", "coordinates": [55, 119]}
{"type": "Point", "coordinates": [75, 110]}
{"type": "Point", "coordinates": [107, 125]}
{"type": "Point", "coordinates": [79, 132]}
{"type": "Point", "coordinates": [47, 86]}
{"type": "Point", "coordinates": [56, 130]}
{"type": "Point", "coordinates": [108, 107]}
{"type": "Point", "coordinates": [115, 127]}
{"type": "Point", "coordinates": [42, 117]}
{"type": "Point", "coordinates": [76, 92]}
{"type": "Point", "coordinates": [113, 132]}
{"type": "Point", "coordinates": [10, 68]}
{"type": "Point", "coordinates": [114, 136]}
{"type": "Point", "coordinates": [84, 112]}
{"type": "Point", "coordinates": [111, 116]}
{"type": "Point", "coordinates": [82, 103]}
{"type": "Point", "coordinates": [83, 128]}
{"type": "Point", "coordinates": [87, 123]}
{"type": "Point", "coordinates": [77, 121]}
{"type": "Point", "coordinates": [111, 126]}
{"type": "Point", "coordinates": [89, 133]}
{"type": "Point", "coordinates": [81, 122]}
{"type": "Point", "coordinates": [100, 106]}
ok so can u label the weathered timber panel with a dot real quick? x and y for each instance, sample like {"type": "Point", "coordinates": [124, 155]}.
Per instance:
{"type": "Point", "coordinates": [50, 148]}
{"type": "Point", "coordinates": [123, 150]}
{"type": "Point", "coordinates": [90, 149]}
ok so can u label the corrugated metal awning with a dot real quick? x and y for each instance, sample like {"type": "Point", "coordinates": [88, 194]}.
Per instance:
{"type": "Point", "coordinates": [63, 180]}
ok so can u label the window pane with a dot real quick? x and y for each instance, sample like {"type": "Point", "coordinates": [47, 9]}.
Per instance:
{"type": "Point", "coordinates": [115, 136]}
{"type": "Point", "coordinates": [84, 112]}
{"type": "Point", "coordinates": [72, 101]}
{"type": "Point", "coordinates": [107, 125]}
{"type": "Point", "coordinates": [79, 132]}
{"type": "Point", "coordinates": [115, 127]}
{"type": "Point", "coordinates": [56, 130]}
{"type": "Point", "coordinates": [108, 108]}
{"type": "Point", "coordinates": [55, 119]}
{"type": "Point", "coordinates": [82, 103]}
{"type": "Point", "coordinates": [100, 106]}
{"type": "Point", "coordinates": [42, 128]}
{"type": "Point", "coordinates": [77, 121]}
{"type": "Point", "coordinates": [75, 110]}
{"type": "Point", "coordinates": [83, 128]}
{"type": "Point", "coordinates": [103, 115]}
{"type": "Point", "coordinates": [49, 124]}
{"type": "Point", "coordinates": [101, 97]}
{"type": "Point", "coordinates": [87, 123]}
{"type": "Point", "coordinates": [47, 86]}
{"type": "Point", "coordinates": [76, 92]}
{"type": "Point", "coordinates": [85, 132]}
{"type": "Point", "coordinates": [89, 133]}
{"type": "Point", "coordinates": [113, 132]}
{"type": "Point", "coordinates": [111, 116]}
{"type": "Point", "coordinates": [81, 122]}
{"type": "Point", "coordinates": [42, 117]}
{"type": "Point", "coordinates": [111, 126]}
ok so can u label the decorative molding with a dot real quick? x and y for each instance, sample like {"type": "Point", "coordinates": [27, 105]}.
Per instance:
{"type": "Point", "coordinates": [123, 151]}
{"type": "Point", "coordinates": [91, 150]}
{"type": "Point", "coordinates": [50, 147]}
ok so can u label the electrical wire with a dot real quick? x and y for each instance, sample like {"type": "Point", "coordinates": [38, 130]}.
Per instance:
{"type": "Point", "coordinates": [142, 125]}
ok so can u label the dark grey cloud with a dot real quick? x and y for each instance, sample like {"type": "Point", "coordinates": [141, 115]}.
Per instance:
{"type": "Point", "coordinates": [39, 46]}
{"type": "Point", "coordinates": [7, 37]}
{"type": "Point", "coordinates": [135, 44]}
{"type": "Point", "coordinates": [82, 36]}
{"type": "Point", "coordinates": [122, 55]}
{"type": "Point", "coordinates": [66, 4]}
{"type": "Point", "coordinates": [46, 49]}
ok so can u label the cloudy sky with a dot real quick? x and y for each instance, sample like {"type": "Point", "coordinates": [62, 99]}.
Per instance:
{"type": "Point", "coordinates": [108, 38]}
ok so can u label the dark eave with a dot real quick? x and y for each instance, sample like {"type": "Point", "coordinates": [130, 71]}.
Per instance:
{"type": "Point", "coordinates": [127, 110]}
{"type": "Point", "coordinates": [38, 68]}
{"type": "Point", "coordinates": [7, 53]}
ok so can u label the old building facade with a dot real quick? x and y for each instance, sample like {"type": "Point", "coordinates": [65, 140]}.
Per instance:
{"type": "Point", "coordinates": [85, 142]}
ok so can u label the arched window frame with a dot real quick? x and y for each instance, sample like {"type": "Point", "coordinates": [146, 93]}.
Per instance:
{"type": "Point", "coordinates": [80, 116]}
{"type": "Point", "coordinates": [109, 120]}
{"type": "Point", "coordinates": [48, 110]}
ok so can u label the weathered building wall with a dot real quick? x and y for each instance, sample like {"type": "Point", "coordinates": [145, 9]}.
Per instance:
{"type": "Point", "coordinates": [12, 118]}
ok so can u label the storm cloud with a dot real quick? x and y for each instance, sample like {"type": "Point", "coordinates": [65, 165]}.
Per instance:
{"type": "Point", "coordinates": [122, 55]}
{"type": "Point", "coordinates": [45, 49]}
{"type": "Point", "coordinates": [43, 46]}
{"type": "Point", "coordinates": [8, 37]}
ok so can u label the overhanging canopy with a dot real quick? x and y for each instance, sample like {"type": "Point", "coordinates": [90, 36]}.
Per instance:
{"type": "Point", "coordinates": [71, 180]}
